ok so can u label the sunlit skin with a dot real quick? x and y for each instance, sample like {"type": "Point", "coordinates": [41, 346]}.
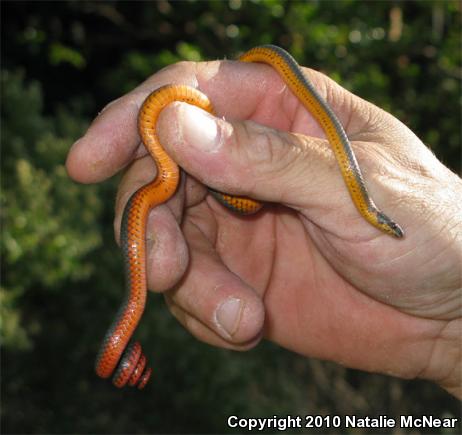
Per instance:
{"type": "Point", "coordinates": [115, 346]}
{"type": "Point", "coordinates": [310, 274]}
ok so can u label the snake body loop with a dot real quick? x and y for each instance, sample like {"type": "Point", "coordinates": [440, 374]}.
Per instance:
{"type": "Point", "coordinates": [130, 366]}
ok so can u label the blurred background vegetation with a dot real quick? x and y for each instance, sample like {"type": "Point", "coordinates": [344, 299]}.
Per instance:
{"type": "Point", "coordinates": [61, 269]}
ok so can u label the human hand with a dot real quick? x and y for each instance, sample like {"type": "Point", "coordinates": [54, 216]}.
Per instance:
{"type": "Point", "coordinates": [307, 272]}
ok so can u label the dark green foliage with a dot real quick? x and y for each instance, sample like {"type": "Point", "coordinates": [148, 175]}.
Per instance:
{"type": "Point", "coordinates": [48, 222]}
{"type": "Point", "coordinates": [61, 270]}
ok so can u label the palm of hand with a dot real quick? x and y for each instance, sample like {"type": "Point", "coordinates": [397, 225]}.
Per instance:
{"type": "Point", "coordinates": [326, 293]}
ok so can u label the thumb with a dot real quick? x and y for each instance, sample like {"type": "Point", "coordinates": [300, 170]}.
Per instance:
{"type": "Point", "coordinates": [249, 159]}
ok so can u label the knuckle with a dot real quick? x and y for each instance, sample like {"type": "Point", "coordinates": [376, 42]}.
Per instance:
{"type": "Point", "coordinates": [256, 145]}
{"type": "Point", "coordinates": [265, 153]}
{"type": "Point", "coordinates": [179, 68]}
{"type": "Point", "coordinates": [275, 152]}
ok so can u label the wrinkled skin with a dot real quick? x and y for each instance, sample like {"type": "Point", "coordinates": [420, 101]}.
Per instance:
{"type": "Point", "coordinates": [307, 272]}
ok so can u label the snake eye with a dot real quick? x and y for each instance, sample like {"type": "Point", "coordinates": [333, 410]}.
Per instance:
{"type": "Point", "coordinates": [396, 229]}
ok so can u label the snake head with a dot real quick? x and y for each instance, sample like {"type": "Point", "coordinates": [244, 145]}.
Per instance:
{"type": "Point", "coordinates": [389, 226]}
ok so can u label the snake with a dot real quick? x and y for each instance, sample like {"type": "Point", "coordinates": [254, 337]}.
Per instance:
{"type": "Point", "coordinates": [118, 356]}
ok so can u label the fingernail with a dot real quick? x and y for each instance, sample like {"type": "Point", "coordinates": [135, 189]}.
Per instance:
{"type": "Point", "coordinates": [228, 315]}
{"type": "Point", "coordinates": [198, 128]}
